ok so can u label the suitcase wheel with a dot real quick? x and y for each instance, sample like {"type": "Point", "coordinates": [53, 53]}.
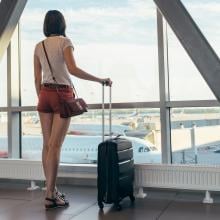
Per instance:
{"type": "Point", "coordinates": [101, 206]}
{"type": "Point", "coordinates": [132, 198]}
{"type": "Point", "coordinates": [118, 207]}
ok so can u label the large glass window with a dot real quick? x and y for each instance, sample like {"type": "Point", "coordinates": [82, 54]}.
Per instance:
{"type": "Point", "coordinates": [140, 126]}
{"type": "Point", "coordinates": [32, 142]}
{"type": "Point", "coordinates": [116, 39]}
{"type": "Point", "coordinates": [195, 135]}
{"type": "Point", "coordinates": [208, 24]}
{"type": "Point", "coordinates": [3, 81]}
{"type": "Point", "coordinates": [186, 82]}
{"type": "Point", "coordinates": [129, 57]}
{"type": "Point", "coordinates": [3, 135]}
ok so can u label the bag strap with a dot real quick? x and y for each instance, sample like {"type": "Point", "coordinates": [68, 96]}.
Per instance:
{"type": "Point", "coordinates": [49, 62]}
{"type": "Point", "coordinates": [50, 67]}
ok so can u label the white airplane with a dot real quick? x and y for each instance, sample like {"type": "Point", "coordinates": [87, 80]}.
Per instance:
{"type": "Point", "coordinates": [83, 149]}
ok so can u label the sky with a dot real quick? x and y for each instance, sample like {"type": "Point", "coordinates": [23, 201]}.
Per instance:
{"type": "Point", "coordinates": [118, 39]}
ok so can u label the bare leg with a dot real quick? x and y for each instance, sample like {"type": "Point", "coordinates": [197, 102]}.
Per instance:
{"type": "Point", "coordinates": [58, 132]}
{"type": "Point", "coordinates": [46, 120]}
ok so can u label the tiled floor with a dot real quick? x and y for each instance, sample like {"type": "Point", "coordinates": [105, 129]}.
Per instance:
{"type": "Point", "coordinates": [16, 203]}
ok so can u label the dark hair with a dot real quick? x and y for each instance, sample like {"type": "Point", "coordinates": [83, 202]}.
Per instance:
{"type": "Point", "coordinates": [54, 23]}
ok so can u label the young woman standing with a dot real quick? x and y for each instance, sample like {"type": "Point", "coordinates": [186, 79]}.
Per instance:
{"type": "Point", "coordinates": [60, 53]}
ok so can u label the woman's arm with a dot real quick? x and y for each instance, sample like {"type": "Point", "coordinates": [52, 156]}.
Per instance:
{"type": "Point", "coordinates": [37, 74]}
{"type": "Point", "coordinates": [74, 70]}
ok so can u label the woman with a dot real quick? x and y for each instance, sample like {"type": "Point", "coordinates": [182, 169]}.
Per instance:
{"type": "Point", "coordinates": [60, 54]}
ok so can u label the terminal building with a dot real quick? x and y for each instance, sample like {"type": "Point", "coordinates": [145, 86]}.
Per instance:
{"type": "Point", "coordinates": [163, 59]}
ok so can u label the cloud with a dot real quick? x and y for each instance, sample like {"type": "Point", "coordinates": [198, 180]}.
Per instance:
{"type": "Point", "coordinates": [100, 24]}
{"type": "Point", "coordinates": [209, 6]}
{"type": "Point", "coordinates": [206, 15]}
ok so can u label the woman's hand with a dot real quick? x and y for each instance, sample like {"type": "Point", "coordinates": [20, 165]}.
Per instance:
{"type": "Point", "coordinates": [106, 81]}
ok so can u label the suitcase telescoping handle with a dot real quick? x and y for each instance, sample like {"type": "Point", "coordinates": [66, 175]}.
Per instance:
{"type": "Point", "coordinates": [103, 111]}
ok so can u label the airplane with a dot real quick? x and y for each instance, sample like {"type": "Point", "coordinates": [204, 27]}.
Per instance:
{"type": "Point", "coordinates": [127, 116]}
{"type": "Point", "coordinates": [96, 129]}
{"type": "Point", "coordinates": [83, 149]}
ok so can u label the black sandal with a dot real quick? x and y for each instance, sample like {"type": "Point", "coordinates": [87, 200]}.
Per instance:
{"type": "Point", "coordinates": [58, 193]}
{"type": "Point", "coordinates": [55, 204]}
{"type": "Point", "coordinates": [61, 195]}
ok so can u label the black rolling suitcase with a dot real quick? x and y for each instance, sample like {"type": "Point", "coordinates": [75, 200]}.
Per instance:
{"type": "Point", "coordinates": [115, 168]}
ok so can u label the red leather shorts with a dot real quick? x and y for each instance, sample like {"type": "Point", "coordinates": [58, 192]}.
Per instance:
{"type": "Point", "coordinates": [49, 101]}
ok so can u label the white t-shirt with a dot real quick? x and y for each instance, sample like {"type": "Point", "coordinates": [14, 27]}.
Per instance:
{"type": "Point", "coordinates": [54, 46]}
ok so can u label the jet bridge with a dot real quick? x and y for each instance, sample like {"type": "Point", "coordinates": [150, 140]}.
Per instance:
{"type": "Point", "coordinates": [10, 12]}
{"type": "Point", "coordinates": [194, 42]}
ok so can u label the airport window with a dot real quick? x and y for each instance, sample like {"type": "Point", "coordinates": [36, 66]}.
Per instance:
{"type": "Point", "coordinates": [99, 48]}
{"type": "Point", "coordinates": [183, 74]}
{"type": "Point", "coordinates": [195, 135]}
{"type": "Point", "coordinates": [140, 126]}
{"type": "Point", "coordinates": [207, 24]}
{"type": "Point", "coordinates": [32, 141]}
{"type": "Point", "coordinates": [3, 81]}
{"type": "Point", "coordinates": [125, 58]}
{"type": "Point", "coordinates": [3, 135]}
